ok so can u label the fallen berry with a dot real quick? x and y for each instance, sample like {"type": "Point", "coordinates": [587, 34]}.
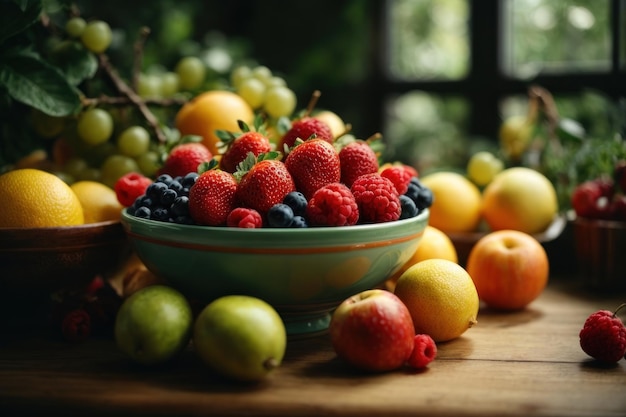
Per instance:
{"type": "Point", "coordinates": [603, 336]}
{"type": "Point", "coordinates": [131, 186]}
{"type": "Point", "coordinates": [424, 351]}
{"type": "Point", "coordinates": [76, 326]}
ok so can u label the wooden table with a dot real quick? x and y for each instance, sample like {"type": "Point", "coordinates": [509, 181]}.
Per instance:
{"type": "Point", "coordinates": [527, 363]}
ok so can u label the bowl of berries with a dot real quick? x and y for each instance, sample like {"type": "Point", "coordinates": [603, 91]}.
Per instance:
{"type": "Point", "coordinates": [600, 230]}
{"type": "Point", "coordinates": [303, 243]}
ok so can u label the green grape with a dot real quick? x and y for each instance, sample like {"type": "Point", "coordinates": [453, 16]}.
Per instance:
{"type": "Point", "coordinates": [116, 166]}
{"type": "Point", "coordinates": [95, 126]}
{"type": "Point", "coordinates": [149, 86]}
{"type": "Point", "coordinates": [169, 84]}
{"type": "Point", "coordinates": [133, 141]}
{"type": "Point", "coordinates": [148, 163]}
{"type": "Point", "coordinates": [191, 72]}
{"type": "Point", "coordinates": [239, 74]}
{"type": "Point", "coordinates": [262, 73]}
{"type": "Point", "coordinates": [482, 167]}
{"type": "Point", "coordinates": [75, 27]}
{"type": "Point", "coordinates": [252, 91]}
{"type": "Point", "coordinates": [275, 81]}
{"type": "Point", "coordinates": [279, 101]}
{"type": "Point", "coordinates": [97, 36]}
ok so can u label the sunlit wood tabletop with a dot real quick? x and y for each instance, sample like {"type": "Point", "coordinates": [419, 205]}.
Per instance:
{"type": "Point", "coordinates": [527, 363]}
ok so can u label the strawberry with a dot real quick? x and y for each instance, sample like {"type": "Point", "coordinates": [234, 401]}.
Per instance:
{"type": "Point", "coordinates": [357, 158]}
{"type": "Point", "coordinates": [313, 164]}
{"type": "Point", "coordinates": [239, 144]}
{"type": "Point", "coordinates": [263, 182]}
{"type": "Point", "coordinates": [304, 128]}
{"type": "Point", "coordinates": [185, 158]}
{"type": "Point", "coordinates": [212, 197]}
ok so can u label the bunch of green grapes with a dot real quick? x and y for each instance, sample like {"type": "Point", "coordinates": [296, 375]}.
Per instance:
{"type": "Point", "coordinates": [96, 35]}
{"type": "Point", "coordinates": [264, 91]}
{"type": "Point", "coordinates": [188, 75]}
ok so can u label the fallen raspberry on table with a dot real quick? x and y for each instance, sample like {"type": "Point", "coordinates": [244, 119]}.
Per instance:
{"type": "Point", "coordinates": [245, 218]}
{"type": "Point", "coordinates": [131, 186]}
{"type": "Point", "coordinates": [76, 326]}
{"type": "Point", "coordinates": [603, 336]}
{"type": "Point", "coordinates": [333, 205]}
{"type": "Point", "coordinates": [424, 351]}
{"type": "Point", "coordinates": [377, 199]}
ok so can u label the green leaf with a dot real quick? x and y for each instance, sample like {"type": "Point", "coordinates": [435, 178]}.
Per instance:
{"type": "Point", "coordinates": [17, 15]}
{"type": "Point", "coordinates": [36, 83]}
{"type": "Point", "coordinates": [76, 62]}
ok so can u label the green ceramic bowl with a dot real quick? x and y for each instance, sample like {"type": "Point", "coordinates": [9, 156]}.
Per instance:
{"type": "Point", "coordinates": [303, 273]}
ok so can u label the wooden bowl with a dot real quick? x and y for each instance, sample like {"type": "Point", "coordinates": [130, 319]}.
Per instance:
{"type": "Point", "coordinates": [43, 260]}
{"type": "Point", "coordinates": [601, 253]}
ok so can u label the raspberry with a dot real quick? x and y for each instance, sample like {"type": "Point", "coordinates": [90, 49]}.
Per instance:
{"type": "Point", "coordinates": [377, 199]}
{"type": "Point", "coordinates": [129, 187]}
{"type": "Point", "coordinates": [603, 336]}
{"type": "Point", "coordinates": [76, 326]}
{"type": "Point", "coordinates": [399, 175]}
{"type": "Point", "coordinates": [424, 351]}
{"type": "Point", "coordinates": [244, 218]}
{"type": "Point", "coordinates": [333, 205]}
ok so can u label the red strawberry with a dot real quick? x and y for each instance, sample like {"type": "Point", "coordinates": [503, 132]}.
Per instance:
{"type": "Point", "coordinates": [185, 158]}
{"type": "Point", "coordinates": [377, 199]}
{"type": "Point", "coordinates": [304, 128]}
{"type": "Point", "coordinates": [239, 144]}
{"type": "Point", "coordinates": [212, 197]}
{"type": "Point", "coordinates": [263, 182]}
{"type": "Point", "coordinates": [357, 158]}
{"type": "Point", "coordinates": [313, 164]}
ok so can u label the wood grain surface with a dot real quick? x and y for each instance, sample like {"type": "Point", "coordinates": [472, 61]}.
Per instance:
{"type": "Point", "coordinates": [527, 363]}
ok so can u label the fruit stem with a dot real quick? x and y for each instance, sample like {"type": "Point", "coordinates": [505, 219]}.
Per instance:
{"type": "Point", "coordinates": [270, 363]}
{"type": "Point", "coordinates": [618, 309]}
{"type": "Point", "coordinates": [313, 102]}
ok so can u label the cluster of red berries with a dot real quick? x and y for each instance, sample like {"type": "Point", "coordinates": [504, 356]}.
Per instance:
{"type": "Point", "coordinates": [604, 197]}
{"type": "Point", "coordinates": [603, 336]}
{"type": "Point", "coordinates": [313, 182]}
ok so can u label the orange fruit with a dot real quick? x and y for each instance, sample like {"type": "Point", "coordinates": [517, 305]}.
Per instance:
{"type": "Point", "coordinates": [210, 111]}
{"type": "Point", "coordinates": [441, 298]}
{"type": "Point", "coordinates": [99, 201]}
{"type": "Point", "coordinates": [509, 268]}
{"type": "Point", "coordinates": [520, 199]}
{"type": "Point", "coordinates": [457, 202]}
{"type": "Point", "coordinates": [36, 198]}
{"type": "Point", "coordinates": [435, 244]}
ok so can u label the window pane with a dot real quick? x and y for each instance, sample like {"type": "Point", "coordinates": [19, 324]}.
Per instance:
{"type": "Point", "coordinates": [427, 39]}
{"type": "Point", "coordinates": [426, 130]}
{"type": "Point", "coordinates": [556, 35]}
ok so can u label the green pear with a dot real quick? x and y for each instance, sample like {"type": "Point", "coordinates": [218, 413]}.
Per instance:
{"type": "Point", "coordinates": [240, 337]}
{"type": "Point", "coordinates": [153, 324]}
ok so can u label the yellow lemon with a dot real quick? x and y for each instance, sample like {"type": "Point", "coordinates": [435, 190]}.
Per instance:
{"type": "Point", "coordinates": [456, 204]}
{"type": "Point", "coordinates": [210, 111]}
{"type": "Point", "coordinates": [36, 198]}
{"type": "Point", "coordinates": [99, 202]}
{"type": "Point", "coordinates": [441, 298]}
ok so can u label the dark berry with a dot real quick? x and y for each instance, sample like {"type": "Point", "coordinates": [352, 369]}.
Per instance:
{"type": "Point", "coordinates": [155, 190]}
{"type": "Point", "coordinates": [299, 222]}
{"type": "Point", "coordinates": [409, 209]}
{"type": "Point", "coordinates": [424, 199]}
{"type": "Point", "coordinates": [297, 201]}
{"type": "Point", "coordinates": [176, 186]}
{"type": "Point", "coordinates": [280, 215]}
{"type": "Point", "coordinates": [167, 197]}
{"type": "Point", "coordinates": [189, 179]}
{"type": "Point", "coordinates": [143, 212]}
{"type": "Point", "coordinates": [603, 336]}
{"type": "Point", "coordinates": [180, 206]}
{"type": "Point", "coordinates": [160, 214]}
{"type": "Point", "coordinates": [164, 178]}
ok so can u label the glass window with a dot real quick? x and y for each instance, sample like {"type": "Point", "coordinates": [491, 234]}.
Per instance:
{"type": "Point", "coordinates": [427, 39]}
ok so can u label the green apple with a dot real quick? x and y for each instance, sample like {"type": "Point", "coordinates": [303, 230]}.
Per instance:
{"type": "Point", "coordinates": [240, 337]}
{"type": "Point", "coordinates": [154, 324]}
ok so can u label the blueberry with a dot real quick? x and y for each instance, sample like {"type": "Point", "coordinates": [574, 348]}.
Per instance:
{"type": "Point", "coordinates": [143, 212]}
{"type": "Point", "coordinates": [413, 191]}
{"type": "Point", "coordinates": [164, 178]}
{"type": "Point", "coordinates": [176, 186]}
{"type": "Point", "coordinates": [183, 220]}
{"type": "Point", "coordinates": [167, 197]}
{"type": "Point", "coordinates": [155, 189]}
{"type": "Point", "coordinates": [424, 199]}
{"type": "Point", "coordinates": [280, 215]}
{"type": "Point", "coordinates": [189, 179]}
{"type": "Point", "coordinates": [299, 222]}
{"type": "Point", "coordinates": [409, 209]}
{"type": "Point", "coordinates": [180, 206]}
{"type": "Point", "coordinates": [161, 214]}
{"type": "Point", "coordinates": [297, 201]}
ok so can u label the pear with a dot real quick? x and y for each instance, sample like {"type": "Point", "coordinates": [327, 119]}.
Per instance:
{"type": "Point", "coordinates": [240, 337]}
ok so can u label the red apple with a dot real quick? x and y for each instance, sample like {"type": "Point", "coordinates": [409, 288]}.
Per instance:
{"type": "Point", "coordinates": [373, 330]}
{"type": "Point", "coordinates": [509, 268]}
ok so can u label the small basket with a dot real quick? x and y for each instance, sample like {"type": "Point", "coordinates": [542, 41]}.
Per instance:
{"type": "Point", "coordinates": [601, 253]}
